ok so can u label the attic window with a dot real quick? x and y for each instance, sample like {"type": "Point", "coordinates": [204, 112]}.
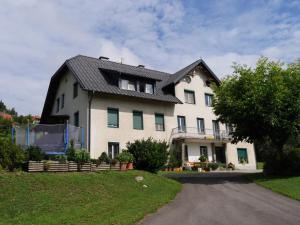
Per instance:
{"type": "Point", "coordinates": [187, 79]}
{"type": "Point", "coordinates": [127, 85]}
{"type": "Point", "coordinates": [207, 82]}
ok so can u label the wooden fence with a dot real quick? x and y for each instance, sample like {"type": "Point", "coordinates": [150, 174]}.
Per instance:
{"type": "Point", "coordinates": [55, 166]}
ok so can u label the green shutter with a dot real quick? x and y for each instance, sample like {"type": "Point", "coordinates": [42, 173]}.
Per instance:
{"type": "Point", "coordinates": [112, 117]}
{"type": "Point", "coordinates": [242, 155]}
{"type": "Point", "coordinates": [137, 120]}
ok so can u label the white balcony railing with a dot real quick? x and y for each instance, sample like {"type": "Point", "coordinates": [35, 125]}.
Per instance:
{"type": "Point", "coordinates": [196, 133]}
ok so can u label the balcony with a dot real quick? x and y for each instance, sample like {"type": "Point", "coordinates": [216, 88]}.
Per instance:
{"type": "Point", "coordinates": [195, 133]}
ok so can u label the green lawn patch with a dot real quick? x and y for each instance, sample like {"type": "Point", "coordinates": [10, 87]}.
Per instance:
{"type": "Point", "coordinates": [289, 186]}
{"type": "Point", "coordinates": [81, 198]}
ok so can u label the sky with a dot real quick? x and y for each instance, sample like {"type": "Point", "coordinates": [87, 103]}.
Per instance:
{"type": "Point", "coordinates": [37, 36]}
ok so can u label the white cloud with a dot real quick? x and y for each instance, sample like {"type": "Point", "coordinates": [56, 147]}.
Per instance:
{"type": "Point", "coordinates": [166, 35]}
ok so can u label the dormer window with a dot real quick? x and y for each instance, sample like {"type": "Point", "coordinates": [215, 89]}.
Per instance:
{"type": "Point", "coordinates": [149, 88]}
{"type": "Point", "coordinates": [128, 85]}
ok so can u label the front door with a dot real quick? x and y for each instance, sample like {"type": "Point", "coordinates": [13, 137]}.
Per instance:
{"type": "Point", "coordinates": [220, 155]}
{"type": "Point", "coordinates": [181, 123]}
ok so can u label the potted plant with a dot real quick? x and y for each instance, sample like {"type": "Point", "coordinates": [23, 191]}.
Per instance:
{"type": "Point", "coordinates": [130, 161]}
{"type": "Point", "coordinates": [81, 157]}
{"type": "Point", "coordinates": [123, 159]}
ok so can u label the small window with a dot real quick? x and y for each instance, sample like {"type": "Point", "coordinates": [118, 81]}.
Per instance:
{"type": "Point", "coordinates": [208, 100]}
{"type": "Point", "coordinates": [76, 119]}
{"type": "Point", "coordinates": [112, 117]}
{"type": "Point", "coordinates": [229, 128]}
{"type": "Point", "coordinates": [138, 120]}
{"type": "Point", "coordinates": [186, 153]}
{"type": "Point", "coordinates": [113, 149]}
{"type": "Point", "coordinates": [159, 122]}
{"type": "Point", "coordinates": [127, 85]}
{"type": "Point", "coordinates": [62, 101]}
{"type": "Point", "coordinates": [242, 155]}
{"type": "Point", "coordinates": [57, 104]}
{"type": "Point", "coordinates": [203, 151]}
{"type": "Point", "coordinates": [200, 126]}
{"type": "Point", "coordinates": [189, 97]}
{"type": "Point", "coordinates": [75, 90]}
{"type": "Point", "coordinates": [149, 88]}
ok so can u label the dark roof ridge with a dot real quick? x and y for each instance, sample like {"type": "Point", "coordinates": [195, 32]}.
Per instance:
{"type": "Point", "coordinates": [136, 67]}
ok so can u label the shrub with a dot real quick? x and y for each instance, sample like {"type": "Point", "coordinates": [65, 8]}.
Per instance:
{"type": "Point", "coordinates": [149, 155]}
{"type": "Point", "coordinates": [125, 157]}
{"type": "Point", "coordinates": [104, 157]}
{"type": "Point", "coordinates": [285, 164]}
{"type": "Point", "coordinates": [61, 158]}
{"type": "Point", "coordinates": [11, 155]}
{"type": "Point", "coordinates": [213, 166]}
{"type": "Point", "coordinates": [34, 153]}
{"type": "Point", "coordinates": [71, 154]}
{"type": "Point", "coordinates": [203, 158]}
{"type": "Point", "coordinates": [81, 156]}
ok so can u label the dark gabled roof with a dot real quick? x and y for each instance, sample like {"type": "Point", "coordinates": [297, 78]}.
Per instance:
{"type": "Point", "coordinates": [90, 73]}
{"type": "Point", "coordinates": [176, 77]}
{"type": "Point", "coordinates": [95, 75]}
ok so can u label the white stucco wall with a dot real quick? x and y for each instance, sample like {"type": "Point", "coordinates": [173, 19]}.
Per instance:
{"type": "Point", "coordinates": [101, 134]}
{"type": "Point", "coordinates": [72, 105]}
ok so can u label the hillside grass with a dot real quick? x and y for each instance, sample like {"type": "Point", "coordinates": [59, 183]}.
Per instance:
{"type": "Point", "coordinates": [288, 186]}
{"type": "Point", "coordinates": [106, 198]}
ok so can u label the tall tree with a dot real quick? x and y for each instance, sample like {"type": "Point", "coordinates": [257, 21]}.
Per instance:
{"type": "Point", "coordinates": [262, 103]}
{"type": "Point", "coordinates": [2, 106]}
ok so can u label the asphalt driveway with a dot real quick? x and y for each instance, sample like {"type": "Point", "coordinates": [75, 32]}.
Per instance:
{"type": "Point", "coordinates": [225, 198]}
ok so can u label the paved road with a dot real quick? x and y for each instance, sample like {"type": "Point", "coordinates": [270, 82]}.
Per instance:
{"type": "Point", "coordinates": [224, 199]}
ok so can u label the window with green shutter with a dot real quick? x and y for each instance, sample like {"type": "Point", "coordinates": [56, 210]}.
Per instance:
{"type": "Point", "coordinates": [159, 122]}
{"type": "Point", "coordinates": [138, 120]}
{"type": "Point", "coordinates": [242, 155]}
{"type": "Point", "coordinates": [112, 117]}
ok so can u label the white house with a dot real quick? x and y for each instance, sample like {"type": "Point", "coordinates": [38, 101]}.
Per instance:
{"type": "Point", "coordinates": [117, 103]}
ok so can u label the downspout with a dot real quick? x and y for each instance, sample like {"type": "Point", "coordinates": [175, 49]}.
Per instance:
{"type": "Point", "coordinates": [91, 95]}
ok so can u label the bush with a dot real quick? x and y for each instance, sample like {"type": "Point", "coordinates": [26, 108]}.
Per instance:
{"type": "Point", "coordinates": [149, 155]}
{"type": "Point", "coordinates": [125, 157]}
{"type": "Point", "coordinates": [61, 158]}
{"type": "Point", "coordinates": [34, 153]}
{"type": "Point", "coordinates": [81, 156]}
{"type": "Point", "coordinates": [203, 158]}
{"type": "Point", "coordinates": [104, 158]}
{"type": "Point", "coordinates": [213, 166]}
{"type": "Point", "coordinates": [71, 154]}
{"type": "Point", "coordinates": [175, 159]}
{"type": "Point", "coordinates": [11, 155]}
{"type": "Point", "coordinates": [285, 164]}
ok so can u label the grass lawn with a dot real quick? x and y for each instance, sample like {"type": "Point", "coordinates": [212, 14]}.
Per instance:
{"type": "Point", "coordinates": [289, 186]}
{"type": "Point", "coordinates": [112, 198]}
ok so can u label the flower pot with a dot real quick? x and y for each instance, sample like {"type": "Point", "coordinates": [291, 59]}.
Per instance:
{"type": "Point", "coordinates": [130, 166]}
{"type": "Point", "coordinates": [123, 166]}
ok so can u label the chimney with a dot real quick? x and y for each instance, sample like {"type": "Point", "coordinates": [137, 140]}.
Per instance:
{"type": "Point", "coordinates": [141, 66]}
{"type": "Point", "coordinates": [103, 58]}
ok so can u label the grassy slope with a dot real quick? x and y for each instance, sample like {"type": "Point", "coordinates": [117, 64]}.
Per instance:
{"type": "Point", "coordinates": [289, 186]}
{"type": "Point", "coordinates": [81, 198]}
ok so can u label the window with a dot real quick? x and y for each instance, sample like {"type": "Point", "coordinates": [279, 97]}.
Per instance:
{"type": "Point", "coordinates": [112, 117]}
{"type": "Point", "coordinates": [113, 149]}
{"type": "Point", "coordinates": [62, 100]}
{"type": "Point", "coordinates": [203, 151]}
{"type": "Point", "coordinates": [127, 85]}
{"type": "Point", "coordinates": [216, 129]}
{"type": "Point", "coordinates": [242, 155]}
{"type": "Point", "coordinates": [189, 97]}
{"type": "Point", "coordinates": [149, 88]}
{"type": "Point", "coordinates": [138, 120]}
{"type": "Point", "coordinates": [76, 119]}
{"type": "Point", "coordinates": [57, 104]}
{"type": "Point", "coordinates": [208, 100]}
{"type": "Point", "coordinates": [200, 126]}
{"type": "Point", "coordinates": [186, 153]}
{"type": "Point", "coordinates": [181, 123]}
{"type": "Point", "coordinates": [75, 90]}
{"type": "Point", "coordinates": [159, 122]}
